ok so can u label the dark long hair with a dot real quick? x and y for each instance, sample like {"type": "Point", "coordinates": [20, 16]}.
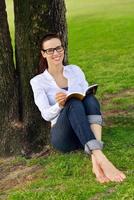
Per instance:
{"type": "Point", "coordinates": [42, 61]}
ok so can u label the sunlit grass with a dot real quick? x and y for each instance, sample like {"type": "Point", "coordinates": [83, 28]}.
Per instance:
{"type": "Point", "coordinates": [10, 12]}
{"type": "Point", "coordinates": [100, 9]}
{"type": "Point", "coordinates": [103, 43]}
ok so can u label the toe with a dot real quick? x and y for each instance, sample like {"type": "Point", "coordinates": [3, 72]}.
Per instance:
{"type": "Point", "coordinates": [118, 178]}
{"type": "Point", "coordinates": [100, 179]}
{"type": "Point", "coordinates": [106, 180]}
{"type": "Point", "coordinates": [123, 175]}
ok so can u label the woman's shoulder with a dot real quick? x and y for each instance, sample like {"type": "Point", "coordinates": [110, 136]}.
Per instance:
{"type": "Point", "coordinates": [36, 78]}
{"type": "Point", "coordinates": [72, 67]}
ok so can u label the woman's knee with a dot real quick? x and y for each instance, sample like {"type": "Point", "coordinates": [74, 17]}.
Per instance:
{"type": "Point", "coordinates": [74, 103]}
{"type": "Point", "coordinates": [91, 105]}
{"type": "Point", "coordinates": [91, 100]}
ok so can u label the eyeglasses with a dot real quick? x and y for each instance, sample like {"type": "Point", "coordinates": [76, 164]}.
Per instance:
{"type": "Point", "coordinates": [50, 51]}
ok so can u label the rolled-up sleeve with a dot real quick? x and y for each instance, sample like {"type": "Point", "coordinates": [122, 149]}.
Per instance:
{"type": "Point", "coordinates": [48, 112]}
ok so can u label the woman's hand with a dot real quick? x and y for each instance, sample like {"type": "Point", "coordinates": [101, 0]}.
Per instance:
{"type": "Point", "coordinates": [61, 98]}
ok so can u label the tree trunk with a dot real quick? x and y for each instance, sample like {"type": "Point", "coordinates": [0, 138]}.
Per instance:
{"type": "Point", "coordinates": [9, 132]}
{"type": "Point", "coordinates": [33, 19]}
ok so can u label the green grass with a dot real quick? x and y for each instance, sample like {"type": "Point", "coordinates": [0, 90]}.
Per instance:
{"type": "Point", "coordinates": [9, 9]}
{"type": "Point", "coordinates": [10, 12]}
{"type": "Point", "coordinates": [123, 103]}
{"type": "Point", "coordinates": [101, 42]}
{"type": "Point", "coordinates": [69, 176]}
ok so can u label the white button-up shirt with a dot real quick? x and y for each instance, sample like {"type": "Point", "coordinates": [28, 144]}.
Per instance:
{"type": "Point", "coordinates": [45, 88]}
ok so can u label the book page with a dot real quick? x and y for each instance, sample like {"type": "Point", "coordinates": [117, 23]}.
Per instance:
{"type": "Point", "coordinates": [77, 95]}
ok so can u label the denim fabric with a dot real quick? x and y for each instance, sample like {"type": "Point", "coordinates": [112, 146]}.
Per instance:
{"type": "Point", "coordinates": [92, 109]}
{"type": "Point", "coordinates": [72, 130]}
{"type": "Point", "coordinates": [93, 145]}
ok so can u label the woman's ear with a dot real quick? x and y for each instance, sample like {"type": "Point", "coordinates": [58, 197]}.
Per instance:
{"type": "Point", "coordinates": [43, 54]}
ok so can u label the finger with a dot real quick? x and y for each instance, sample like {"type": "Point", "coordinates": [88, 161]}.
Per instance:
{"type": "Point", "coordinates": [60, 93]}
{"type": "Point", "coordinates": [60, 98]}
{"type": "Point", "coordinates": [62, 103]}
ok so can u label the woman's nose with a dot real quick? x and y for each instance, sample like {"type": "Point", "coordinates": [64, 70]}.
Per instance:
{"type": "Point", "coordinates": [55, 52]}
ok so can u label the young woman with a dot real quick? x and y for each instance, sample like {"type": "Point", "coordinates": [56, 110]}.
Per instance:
{"type": "Point", "coordinates": [74, 124]}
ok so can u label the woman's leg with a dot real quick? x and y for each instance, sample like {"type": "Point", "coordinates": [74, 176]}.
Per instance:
{"type": "Point", "coordinates": [92, 108]}
{"type": "Point", "coordinates": [63, 138]}
{"type": "Point", "coordinates": [73, 120]}
{"type": "Point", "coordinates": [72, 131]}
{"type": "Point", "coordinates": [101, 165]}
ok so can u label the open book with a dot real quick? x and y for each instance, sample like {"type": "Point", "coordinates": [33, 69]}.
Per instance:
{"type": "Point", "coordinates": [90, 90]}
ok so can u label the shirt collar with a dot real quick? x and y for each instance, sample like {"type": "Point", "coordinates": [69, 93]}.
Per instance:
{"type": "Point", "coordinates": [50, 77]}
{"type": "Point", "coordinates": [47, 75]}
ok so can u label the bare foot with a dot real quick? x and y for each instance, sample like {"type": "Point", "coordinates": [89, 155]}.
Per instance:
{"type": "Point", "coordinates": [98, 171]}
{"type": "Point", "coordinates": [109, 170]}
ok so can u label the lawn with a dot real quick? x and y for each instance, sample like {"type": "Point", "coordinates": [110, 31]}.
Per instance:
{"type": "Point", "coordinates": [101, 41]}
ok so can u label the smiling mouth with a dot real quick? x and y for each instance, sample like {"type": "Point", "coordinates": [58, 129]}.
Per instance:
{"type": "Point", "coordinates": [57, 58]}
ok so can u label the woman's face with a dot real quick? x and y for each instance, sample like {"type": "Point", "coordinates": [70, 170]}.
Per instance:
{"type": "Point", "coordinates": [53, 51]}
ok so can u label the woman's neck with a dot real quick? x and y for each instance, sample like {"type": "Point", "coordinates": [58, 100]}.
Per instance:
{"type": "Point", "coordinates": [55, 69]}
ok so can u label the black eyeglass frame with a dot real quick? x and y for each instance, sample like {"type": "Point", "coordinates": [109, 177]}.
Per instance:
{"type": "Point", "coordinates": [53, 49]}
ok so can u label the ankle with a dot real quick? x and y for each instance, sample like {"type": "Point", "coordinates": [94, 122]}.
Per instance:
{"type": "Point", "coordinates": [96, 152]}
{"type": "Point", "coordinates": [99, 156]}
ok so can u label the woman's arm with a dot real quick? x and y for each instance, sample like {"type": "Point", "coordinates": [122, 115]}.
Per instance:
{"type": "Point", "coordinates": [48, 112]}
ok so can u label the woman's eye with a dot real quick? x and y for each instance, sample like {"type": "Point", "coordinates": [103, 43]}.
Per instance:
{"type": "Point", "coordinates": [50, 50]}
{"type": "Point", "coordinates": [59, 48]}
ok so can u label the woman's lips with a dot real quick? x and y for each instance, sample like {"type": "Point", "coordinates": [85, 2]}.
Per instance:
{"type": "Point", "coordinates": [57, 58]}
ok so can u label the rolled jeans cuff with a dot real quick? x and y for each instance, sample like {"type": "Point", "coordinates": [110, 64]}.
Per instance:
{"type": "Point", "coordinates": [95, 119]}
{"type": "Point", "coordinates": [93, 145]}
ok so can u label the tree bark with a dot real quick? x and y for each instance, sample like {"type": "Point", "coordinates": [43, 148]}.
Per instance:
{"type": "Point", "coordinates": [9, 135]}
{"type": "Point", "coordinates": [33, 19]}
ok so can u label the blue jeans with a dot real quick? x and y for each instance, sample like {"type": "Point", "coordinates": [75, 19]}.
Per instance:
{"type": "Point", "coordinates": [72, 130]}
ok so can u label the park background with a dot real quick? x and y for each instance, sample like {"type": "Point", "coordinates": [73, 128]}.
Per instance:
{"type": "Point", "coordinates": [101, 42]}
